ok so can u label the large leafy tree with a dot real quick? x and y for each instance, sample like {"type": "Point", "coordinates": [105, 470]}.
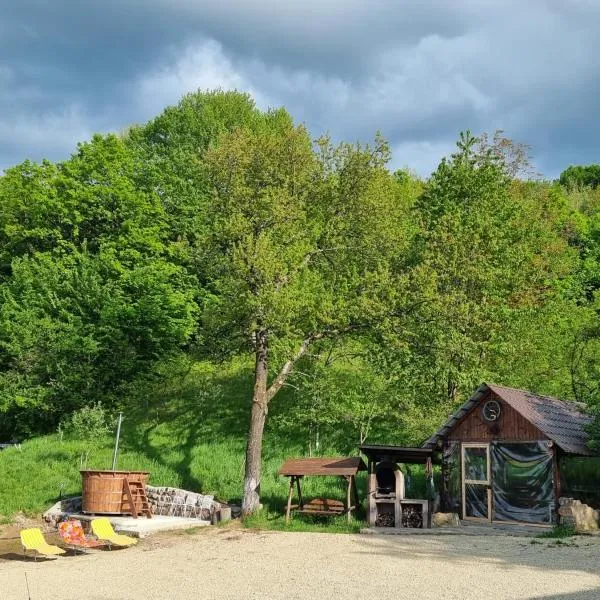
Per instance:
{"type": "Point", "coordinates": [580, 176]}
{"type": "Point", "coordinates": [90, 200]}
{"type": "Point", "coordinates": [485, 253]}
{"type": "Point", "coordinates": [299, 249]}
{"type": "Point", "coordinates": [75, 328]}
{"type": "Point", "coordinates": [90, 297]}
{"type": "Point", "coordinates": [169, 151]}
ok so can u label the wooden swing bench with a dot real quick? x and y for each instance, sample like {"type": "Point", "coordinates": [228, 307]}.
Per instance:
{"type": "Point", "coordinates": [346, 468]}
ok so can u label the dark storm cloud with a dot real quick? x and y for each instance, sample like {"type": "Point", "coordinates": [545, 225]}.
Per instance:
{"type": "Point", "coordinates": [417, 71]}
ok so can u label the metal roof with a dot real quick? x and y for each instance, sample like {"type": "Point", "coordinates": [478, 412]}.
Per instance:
{"type": "Point", "coordinates": [562, 422]}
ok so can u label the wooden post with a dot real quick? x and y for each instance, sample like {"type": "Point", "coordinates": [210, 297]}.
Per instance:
{"type": "Point", "coordinates": [289, 502]}
{"type": "Point", "coordinates": [556, 476]}
{"type": "Point", "coordinates": [372, 505]}
{"type": "Point", "coordinates": [355, 492]}
{"type": "Point", "coordinates": [300, 500]}
{"type": "Point", "coordinates": [425, 512]}
{"type": "Point", "coordinates": [444, 485]}
{"type": "Point", "coordinates": [348, 497]}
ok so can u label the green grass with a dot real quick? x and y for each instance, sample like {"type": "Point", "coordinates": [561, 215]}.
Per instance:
{"type": "Point", "coordinates": [559, 532]}
{"type": "Point", "coordinates": [275, 520]}
{"type": "Point", "coordinates": [188, 433]}
{"type": "Point", "coordinates": [34, 477]}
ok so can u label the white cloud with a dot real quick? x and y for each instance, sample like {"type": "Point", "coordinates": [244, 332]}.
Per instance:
{"type": "Point", "coordinates": [418, 71]}
{"type": "Point", "coordinates": [199, 66]}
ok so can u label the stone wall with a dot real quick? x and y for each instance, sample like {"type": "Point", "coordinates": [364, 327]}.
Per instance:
{"type": "Point", "coordinates": [63, 507]}
{"type": "Point", "coordinates": [162, 500]}
{"type": "Point", "coordinates": [181, 503]}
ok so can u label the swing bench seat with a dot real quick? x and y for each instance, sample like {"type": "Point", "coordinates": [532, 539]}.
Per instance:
{"type": "Point", "coordinates": [321, 506]}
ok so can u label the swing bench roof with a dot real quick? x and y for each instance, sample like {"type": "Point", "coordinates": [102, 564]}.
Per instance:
{"type": "Point", "coordinates": [338, 466]}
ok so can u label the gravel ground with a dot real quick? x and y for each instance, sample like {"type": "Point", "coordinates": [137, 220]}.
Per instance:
{"type": "Point", "coordinates": [243, 564]}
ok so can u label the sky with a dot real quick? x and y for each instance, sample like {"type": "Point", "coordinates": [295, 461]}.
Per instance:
{"type": "Point", "coordinates": [418, 71]}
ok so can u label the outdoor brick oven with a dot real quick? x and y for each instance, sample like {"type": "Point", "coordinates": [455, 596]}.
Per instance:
{"type": "Point", "coordinates": [387, 502]}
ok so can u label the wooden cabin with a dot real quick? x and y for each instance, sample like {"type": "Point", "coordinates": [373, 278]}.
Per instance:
{"type": "Point", "coordinates": [501, 453]}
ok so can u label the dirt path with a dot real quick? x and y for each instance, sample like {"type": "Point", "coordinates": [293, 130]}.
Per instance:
{"type": "Point", "coordinates": [268, 565]}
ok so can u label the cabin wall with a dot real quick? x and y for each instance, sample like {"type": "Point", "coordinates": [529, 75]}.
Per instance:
{"type": "Point", "coordinates": [511, 426]}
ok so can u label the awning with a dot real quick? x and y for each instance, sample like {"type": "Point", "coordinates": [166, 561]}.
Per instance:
{"type": "Point", "coordinates": [412, 456]}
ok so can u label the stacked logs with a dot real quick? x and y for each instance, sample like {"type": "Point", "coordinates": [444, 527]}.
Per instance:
{"type": "Point", "coordinates": [412, 516]}
{"type": "Point", "coordinates": [385, 519]}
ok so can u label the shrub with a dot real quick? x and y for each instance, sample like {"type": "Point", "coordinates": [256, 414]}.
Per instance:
{"type": "Point", "coordinates": [90, 423]}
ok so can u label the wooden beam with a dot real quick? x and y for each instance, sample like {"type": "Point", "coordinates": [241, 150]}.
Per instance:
{"type": "Point", "coordinates": [289, 502]}
{"type": "Point", "coordinates": [355, 492]}
{"type": "Point", "coordinates": [444, 486]}
{"type": "Point", "coordinates": [556, 476]}
{"type": "Point", "coordinates": [300, 501]}
{"type": "Point", "coordinates": [348, 495]}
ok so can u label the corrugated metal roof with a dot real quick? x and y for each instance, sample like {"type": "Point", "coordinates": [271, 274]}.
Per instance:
{"type": "Point", "coordinates": [562, 422]}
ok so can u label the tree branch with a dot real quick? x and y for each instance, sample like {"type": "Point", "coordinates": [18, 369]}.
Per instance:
{"type": "Point", "coordinates": [306, 261]}
{"type": "Point", "coordinates": [288, 367]}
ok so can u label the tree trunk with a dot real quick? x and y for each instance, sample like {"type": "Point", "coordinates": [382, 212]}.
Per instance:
{"type": "Point", "coordinates": [258, 415]}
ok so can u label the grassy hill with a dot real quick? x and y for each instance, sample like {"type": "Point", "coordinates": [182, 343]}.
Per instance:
{"type": "Point", "coordinates": [188, 432]}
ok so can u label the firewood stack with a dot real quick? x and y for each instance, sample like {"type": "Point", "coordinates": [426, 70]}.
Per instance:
{"type": "Point", "coordinates": [412, 516]}
{"type": "Point", "coordinates": [384, 520]}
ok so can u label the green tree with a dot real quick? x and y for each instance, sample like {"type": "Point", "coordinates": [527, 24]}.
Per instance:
{"type": "Point", "coordinates": [90, 200]}
{"type": "Point", "coordinates": [580, 176]}
{"type": "Point", "coordinates": [298, 250]}
{"type": "Point", "coordinates": [74, 329]}
{"type": "Point", "coordinates": [169, 151]}
{"type": "Point", "coordinates": [87, 278]}
{"type": "Point", "coordinates": [486, 251]}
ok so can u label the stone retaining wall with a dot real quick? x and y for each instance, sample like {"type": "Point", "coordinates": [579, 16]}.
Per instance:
{"type": "Point", "coordinates": [162, 500]}
{"type": "Point", "coordinates": [181, 503]}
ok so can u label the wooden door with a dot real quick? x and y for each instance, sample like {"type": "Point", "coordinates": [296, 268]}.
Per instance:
{"type": "Point", "coordinates": [476, 481]}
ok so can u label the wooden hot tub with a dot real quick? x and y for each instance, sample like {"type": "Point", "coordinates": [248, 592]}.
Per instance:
{"type": "Point", "coordinates": [104, 493]}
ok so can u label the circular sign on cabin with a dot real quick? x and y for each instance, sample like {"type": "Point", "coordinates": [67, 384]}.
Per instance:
{"type": "Point", "coordinates": [491, 411]}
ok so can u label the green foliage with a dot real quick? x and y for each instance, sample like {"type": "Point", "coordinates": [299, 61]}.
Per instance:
{"type": "Point", "coordinates": [559, 532]}
{"type": "Point", "coordinates": [337, 402]}
{"type": "Point", "coordinates": [63, 320]}
{"type": "Point", "coordinates": [580, 476]}
{"type": "Point", "coordinates": [216, 224]}
{"type": "Point", "coordinates": [488, 256]}
{"type": "Point", "coordinates": [91, 423]}
{"type": "Point", "coordinates": [86, 279]}
{"type": "Point", "coordinates": [169, 153]}
{"type": "Point", "coordinates": [580, 176]}
{"type": "Point", "coordinates": [35, 475]}
{"type": "Point", "coordinates": [296, 243]}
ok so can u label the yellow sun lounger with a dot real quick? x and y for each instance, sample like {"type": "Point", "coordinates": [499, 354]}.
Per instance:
{"type": "Point", "coordinates": [33, 539]}
{"type": "Point", "coordinates": [103, 531]}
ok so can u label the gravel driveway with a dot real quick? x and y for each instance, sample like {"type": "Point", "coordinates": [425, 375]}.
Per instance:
{"type": "Point", "coordinates": [242, 564]}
